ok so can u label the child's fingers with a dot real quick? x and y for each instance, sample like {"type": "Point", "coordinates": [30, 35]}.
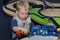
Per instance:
{"type": "Point", "coordinates": [25, 31]}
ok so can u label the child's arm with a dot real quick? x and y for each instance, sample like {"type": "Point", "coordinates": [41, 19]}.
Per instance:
{"type": "Point", "coordinates": [14, 25]}
{"type": "Point", "coordinates": [24, 30]}
{"type": "Point", "coordinates": [15, 28]}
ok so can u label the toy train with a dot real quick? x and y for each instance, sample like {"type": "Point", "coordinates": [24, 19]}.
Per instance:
{"type": "Point", "coordinates": [44, 31]}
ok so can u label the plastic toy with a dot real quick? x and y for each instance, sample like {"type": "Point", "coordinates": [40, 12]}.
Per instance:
{"type": "Point", "coordinates": [34, 30]}
{"type": "Point", "coordinates": [44, 31]}
{"type": "Point", "coordinates": [41, 31]}
{"type": "Point", "coordinates": [19, 33]}
{"type": "Point", "coordinates": [58, 29]}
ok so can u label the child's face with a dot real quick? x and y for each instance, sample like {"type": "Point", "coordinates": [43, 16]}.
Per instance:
{"type": "Point", "coordinates": [22, 13]}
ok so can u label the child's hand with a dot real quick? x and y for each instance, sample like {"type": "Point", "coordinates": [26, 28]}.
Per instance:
{"type": "Point", "coordinates": [25, 31]}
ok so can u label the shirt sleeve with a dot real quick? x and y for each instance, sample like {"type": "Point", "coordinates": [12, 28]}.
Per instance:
{"type": "Point", "coordinates": [14, 23]}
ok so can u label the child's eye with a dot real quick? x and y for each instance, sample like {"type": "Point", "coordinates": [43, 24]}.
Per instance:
{"type": "Point", "coordinates": [22, 13]}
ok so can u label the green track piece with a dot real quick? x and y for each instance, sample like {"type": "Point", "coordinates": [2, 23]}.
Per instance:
{"type": "Point", "coordinates": [38, 18]}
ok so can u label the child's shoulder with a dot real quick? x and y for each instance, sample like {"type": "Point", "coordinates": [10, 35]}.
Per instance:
{"type": "Point", "coordinates": [15, 17]}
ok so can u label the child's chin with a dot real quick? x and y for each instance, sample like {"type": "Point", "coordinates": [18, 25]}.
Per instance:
{"type": "Point", "coordinates": [23, 18]}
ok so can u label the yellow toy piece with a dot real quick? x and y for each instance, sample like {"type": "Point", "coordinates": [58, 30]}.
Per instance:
{"type": "Point", "coordinates": [41, 31]}
{"type": "Point", "coordinates": [58, 29]}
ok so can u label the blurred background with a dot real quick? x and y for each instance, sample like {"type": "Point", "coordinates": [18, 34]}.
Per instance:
{"type": "Point", "coordinates": [5, 20]}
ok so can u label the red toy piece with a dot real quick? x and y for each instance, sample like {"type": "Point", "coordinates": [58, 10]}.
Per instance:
{"type": "Point", "coordinates": [19, 33]}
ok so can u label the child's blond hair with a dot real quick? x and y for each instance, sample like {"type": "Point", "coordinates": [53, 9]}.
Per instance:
{"type": "Point", "coordinates": [22, 4]}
